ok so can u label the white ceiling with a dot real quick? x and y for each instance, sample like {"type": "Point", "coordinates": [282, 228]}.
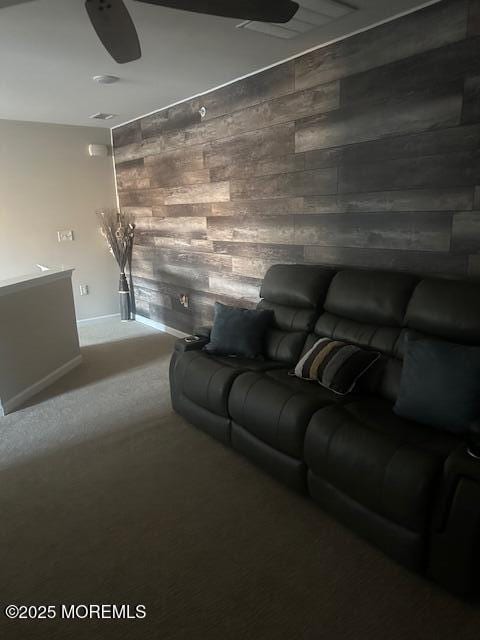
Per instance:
{"type": "Point", "coordinates": [49, 53]}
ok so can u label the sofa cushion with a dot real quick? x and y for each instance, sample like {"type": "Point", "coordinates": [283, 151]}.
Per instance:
{"type": "Point", "coordinates": [247, 364]}
{"type": "Point", "coordinates": [296, 285]}
{"type": "Point", "coordinates": [206, 380]}
{"type": "Point", "coordinates": [285, 339]}
{"type": "Point", "coordinates": [440, 384]}
{"type": "Point", "coordinates": [386, 463]}
{"type": "Point", "coordinates": [285, 377]}
{"type": "Point", "coordinates": [372, 297]}
{"type": "Point", "coordinates": [238, 332]}
{"type": "Point", "coordinates": [448, 309]}
{"type": "Point", "coordinates": [273, 412]}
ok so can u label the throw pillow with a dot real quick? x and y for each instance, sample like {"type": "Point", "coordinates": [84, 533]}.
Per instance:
{"type": "Point", "coordinates": [238, 332]}
{"type": "Point", "coordinates": [440, 384]}
{"type": "Point", "coordinates": [335, 365]}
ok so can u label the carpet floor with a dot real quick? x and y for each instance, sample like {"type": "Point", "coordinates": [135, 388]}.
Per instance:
{"type": "Point", "coordinates": [106, 496]}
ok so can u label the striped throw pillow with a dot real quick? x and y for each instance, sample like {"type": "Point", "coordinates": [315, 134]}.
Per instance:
{"type": "Point", "coordinates": [335, 365]}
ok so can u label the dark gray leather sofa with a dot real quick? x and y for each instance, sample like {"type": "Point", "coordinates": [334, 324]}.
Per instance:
{"type": "Point", "coordinates": [412, 490]}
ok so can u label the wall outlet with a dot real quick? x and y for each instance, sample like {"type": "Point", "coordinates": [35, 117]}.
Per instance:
{"type": "Point", "coordinates": [184, 300]}
{"type": "Point", "coordinates": [84, 290]}
{"type": "Point", "coordinates": [65, 236]}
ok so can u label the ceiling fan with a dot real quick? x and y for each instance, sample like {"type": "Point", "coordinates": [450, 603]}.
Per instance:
{"type": "Point", "coordinates": [114, 26]}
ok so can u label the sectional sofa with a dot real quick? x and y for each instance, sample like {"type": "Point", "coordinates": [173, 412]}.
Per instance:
{"type": "Point", "coordinates": [412, 490]}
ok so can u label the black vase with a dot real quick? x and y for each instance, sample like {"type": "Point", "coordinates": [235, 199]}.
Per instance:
{"type": "Point", "coordinates": [124, 293]}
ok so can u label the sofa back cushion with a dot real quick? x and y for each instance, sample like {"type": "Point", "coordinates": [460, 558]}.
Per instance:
{"type": "Point", "coordinates": [446, 309]}
{"type": "Point", "coordinates": [367, 308]}
{"type": "Point", "coordinates": [295, 295]}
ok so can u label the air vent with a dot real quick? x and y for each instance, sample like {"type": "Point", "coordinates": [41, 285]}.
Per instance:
{"type": "Point", "coordinates": [311, 15]}
{"type": "Point", "coordinates": [102, 116]}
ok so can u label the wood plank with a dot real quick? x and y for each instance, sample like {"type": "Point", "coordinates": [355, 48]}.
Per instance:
{"type": "Point", "coordinates": [351, 125]}
{"type": "Point", "coordinates": [241, 288]}
{"type": "Point", "coordinates": [260, 87]}
{"type": "Point", "coordinates": [252, 146]}
{"type": "Point", "coordinates": [144, 238]}
{"type": "Point", "coordinates": [423, 30]}
{"type": "Point", "coordinates": [276, 252]}
{"type": "Point", "coordinates": [421, 262]}
{"type": "Point", "coordinates": [473, 18]}
{"type": "Point", "coordinates": [191, 159]}
{"type": "Point", "coordinates": [193, 245]}
{"type": "Point", "coordinates": [455, 169]}
{"type": "Point", "coordinates": [202, 261]}
{"type": "Point", "coordinates": [474, 267]}
{"type": "Point", "coordinates": [175, 178]}
{"type": "Point", "coordinates": [301, 183]}
{"type": "Point", "coordinates": [266, 206]}
{"type": "Point", "coordinates": [466, 232]}
{"type": "Point", "coordinates": [252, 90]}
{"type": "Point", "coordinates": [241, 170]}
{"type": "Point", "coordinates": [152, 146]}
{"type": "Point", "coordinates": [142, 198]}
{"type": "Point", "coordinates": [186, 194]}
{"type": "Point", "coordinates": [150, 296]}
{"type": "Point", "coordinates": [132, 175]}
{"type": "Point", "coordinates": [409, 200]}
{"type": "Point", "coordinates": [443, 141]}
{"type": "Point", "coordinates": [127, 134]}
{"type": "Point", "coordinates": [142, 309]}
{"type": "Point", "coordinates": [142, 268]}
{"type": "Point", "coordinates": [176, 227]}
{"type": "Point", "coordinates": [183, 277]}
{"type": "Point", "coordinates": [171, 119]}
{"type": "Point", "coordinates": [424, 72]}
{"type": "Point", "coordinates": [198, 193]}
{"type": "Point", "coordinates": [425, 232]}
{"type": "Point", "coordinates": [136, 212]}
{"type": "Point", "coordinates": [254, 267]}
{"type": "Point", "coordinates": [185, 210]}
{"type": "Point", "coordinates": [471, 99]}
{"type": "Point", "coordinates": [268, 229]}
{"type": "Point", "coordinates": [171, 318]}
{"type": "Point", "coordinates": [266, 114]}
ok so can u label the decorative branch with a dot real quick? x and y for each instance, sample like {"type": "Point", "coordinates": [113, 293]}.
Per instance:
{"type": "Point", "coordinates": [118, 229]}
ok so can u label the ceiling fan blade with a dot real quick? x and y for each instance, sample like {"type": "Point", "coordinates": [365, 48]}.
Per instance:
{"type": "Point", "coordinates": [260, 10]}
{"type": "Point", "coordinates": [115, 28]}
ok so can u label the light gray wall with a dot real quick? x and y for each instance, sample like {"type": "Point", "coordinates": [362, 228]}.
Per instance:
{"type": "Point", "coordinates": [48, 183]}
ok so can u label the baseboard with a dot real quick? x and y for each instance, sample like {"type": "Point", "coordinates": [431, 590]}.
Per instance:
{"type": "Point", "coordinates": [160, 326]}
{"type": "Point", "coordinates": [87, 320]}
{"type": "Point", "coordinates": [10, 405]}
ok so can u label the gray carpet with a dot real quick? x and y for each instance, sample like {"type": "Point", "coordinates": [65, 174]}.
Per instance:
{"type": "Point", "coordinates": [106, 496]}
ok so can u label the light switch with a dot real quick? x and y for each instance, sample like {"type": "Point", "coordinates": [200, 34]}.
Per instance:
{"type": "Point", "coordinates": [84, 290]}
{"type": "Point", "coordinates": [65, 236]}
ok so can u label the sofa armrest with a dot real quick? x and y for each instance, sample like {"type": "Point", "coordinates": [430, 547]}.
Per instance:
{"type": "Point", "coordinates": [459, 464]}
{"type": "Point", "coordinates": [454, 550]}
{"type": "Point", "coordinates": [190, 344]}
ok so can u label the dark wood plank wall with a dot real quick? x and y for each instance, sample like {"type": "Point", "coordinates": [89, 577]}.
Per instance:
{"type": "Point", "coordinates": [362, 153]}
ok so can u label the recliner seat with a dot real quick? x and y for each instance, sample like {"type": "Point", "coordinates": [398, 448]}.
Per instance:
{"type": "Point", "coordinates": [410, 489]}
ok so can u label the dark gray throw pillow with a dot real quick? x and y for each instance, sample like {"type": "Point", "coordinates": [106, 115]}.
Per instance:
{"type": "Point", "coordinates": [440, 384]}
{"type": "Point", "coordinates": [238, 332]}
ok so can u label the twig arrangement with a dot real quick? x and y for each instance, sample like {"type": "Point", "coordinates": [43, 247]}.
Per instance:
{"type": "Point", "coordinates": [118, 229]}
